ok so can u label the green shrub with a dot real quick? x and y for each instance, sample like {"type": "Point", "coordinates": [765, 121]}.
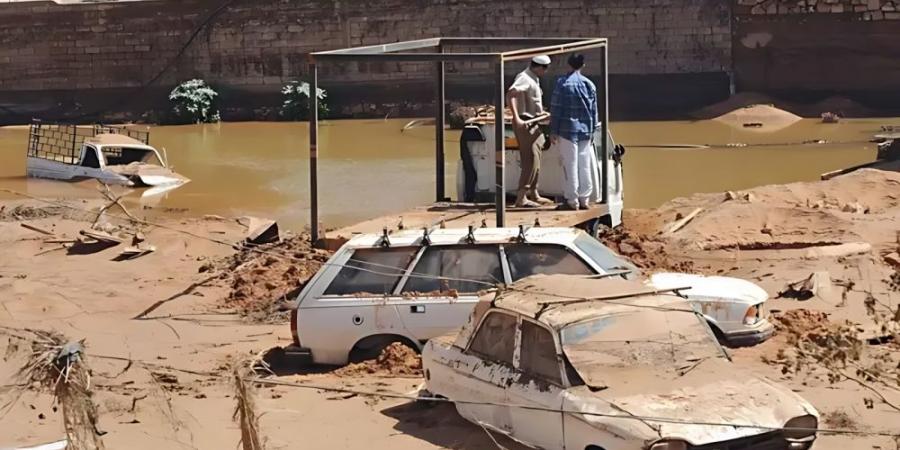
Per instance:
{"type": "Point", "coordinates": [296, 101]}
{"type": "Point", "coordinates": [194, 102]}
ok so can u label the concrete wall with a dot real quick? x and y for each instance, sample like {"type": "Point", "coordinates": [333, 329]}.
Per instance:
{"type": "Point", "coordinates": [810, 51]}
{"type": "Point", "coordinates": [80, 54]}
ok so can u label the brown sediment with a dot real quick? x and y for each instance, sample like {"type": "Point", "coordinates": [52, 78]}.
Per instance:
{"type": "Point", "coordinates": [264, 279]}
{"type": "Point", "coordinates": [395, 360]}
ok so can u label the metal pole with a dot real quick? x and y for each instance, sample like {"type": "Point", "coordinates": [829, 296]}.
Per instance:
{"type": "Point", "coordinates": [604, 127]}
{"type": "Point", "coordinates": [314, 152]}
{"type": "Point", "coordinates": [439, 118]}
{"type": "Point", "coordinates": [500, 145]}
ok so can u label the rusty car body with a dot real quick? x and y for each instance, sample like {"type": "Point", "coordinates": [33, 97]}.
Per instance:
{"type": "Point", "coordinates": [562, 362]}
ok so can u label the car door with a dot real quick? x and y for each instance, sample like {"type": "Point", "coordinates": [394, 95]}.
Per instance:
{"type": "Point", "coordinates": [539, 383]}
{"type": "Point", "coordinates": [353, 301]}
{"type": "Point", "coordinates": [90, 164]}
{"type": "Point", "coordinates": [439, 293]}
{"type": "Point", "coordinates": [484, 371]}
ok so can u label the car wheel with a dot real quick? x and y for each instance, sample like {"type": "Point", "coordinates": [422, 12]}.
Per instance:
{"type": "Point", "coordinates": [372, 346]}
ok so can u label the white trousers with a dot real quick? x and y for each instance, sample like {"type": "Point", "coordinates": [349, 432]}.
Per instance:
{"type": "Point", "coordinates": [576, 164]}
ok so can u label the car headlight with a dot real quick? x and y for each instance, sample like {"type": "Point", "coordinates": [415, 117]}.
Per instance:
{"type": "Point", "coordinates": [752, 315]}
{"type": "Point", "coordinates": [801, 428]}
{"type": "Point", "coordinates": [669, 445]}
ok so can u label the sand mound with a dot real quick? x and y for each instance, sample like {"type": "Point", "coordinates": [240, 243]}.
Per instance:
{"type": "Point", "coordinates": [644, 251]}
{"type": "Point", "coordinates": [737, 101]}
{"type": "Point", "coordinates": [764, 118]}
{"type": "Point", "coordinates": [395, 360]}
{"type": "Point", "coordinates": [264, 279]}
{"type": "Point", "coordinates": [789, 216]}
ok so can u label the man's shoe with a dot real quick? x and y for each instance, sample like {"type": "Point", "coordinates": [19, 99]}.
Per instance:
{"type": "Point", "coordinates": [566, 206]}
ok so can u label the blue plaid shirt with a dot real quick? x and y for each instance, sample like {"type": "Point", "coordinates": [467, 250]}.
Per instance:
{"type": "Point", "coordinates": [573, 108]}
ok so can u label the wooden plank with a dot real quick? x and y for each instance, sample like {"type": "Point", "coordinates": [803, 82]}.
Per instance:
{"type": "Point", "coordinates": [461, 215]}
{"type": "Point", "coordinates": [37, 229]}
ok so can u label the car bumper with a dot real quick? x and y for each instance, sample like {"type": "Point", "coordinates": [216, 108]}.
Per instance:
{"type": "Point", "coordinates": [295, 355]}
{"type": "Point", "coordinates": [762, 331]}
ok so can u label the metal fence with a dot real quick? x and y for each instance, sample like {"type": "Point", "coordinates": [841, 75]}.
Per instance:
{"type": "Point", "coordinates": [62, 142]}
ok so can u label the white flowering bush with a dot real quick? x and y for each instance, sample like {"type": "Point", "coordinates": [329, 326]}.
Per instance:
{"type": "Point", "coordinates": [296, 101]}
{"type": "Point", "coordinates": [194, 101]}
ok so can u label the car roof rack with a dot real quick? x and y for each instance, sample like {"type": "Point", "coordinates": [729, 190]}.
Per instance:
{"type": "Point", "coordinates": [384, 241]}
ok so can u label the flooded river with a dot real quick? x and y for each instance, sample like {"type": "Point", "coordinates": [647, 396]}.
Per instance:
{"type": "Point", "coordinates": [370, 167]}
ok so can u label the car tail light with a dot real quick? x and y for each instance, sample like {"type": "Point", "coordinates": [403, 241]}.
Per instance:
{"type": "Point", "coordinates": [669, 445]}
{"type": "Point", "coordinates": [752, 315]}
{"type": "Point", "coordinates": [801, 428]}
{"type": "Point", "coordinates": [294, 313]}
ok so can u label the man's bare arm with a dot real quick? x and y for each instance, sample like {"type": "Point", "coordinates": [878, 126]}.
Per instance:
{"type": "Point", "coordinates": [514, 107]}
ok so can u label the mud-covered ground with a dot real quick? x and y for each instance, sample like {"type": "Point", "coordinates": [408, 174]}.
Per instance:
{"type": "Point", "coordinates": [162, 330]}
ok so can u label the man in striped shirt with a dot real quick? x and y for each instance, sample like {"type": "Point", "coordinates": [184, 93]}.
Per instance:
{"type": "Point", "coordinates": [573, 117]}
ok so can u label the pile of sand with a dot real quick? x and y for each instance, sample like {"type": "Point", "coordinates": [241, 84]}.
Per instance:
{"type": "Point", "coordinates": [759, 117]}
{"type": "Point", "coordinates": [800, 322]}
{"type": "Point", "coordinates": [265, 279]}
{"type": "Point", "coordinates": [844, 209]}
{"type": "Point", "coordinates": [395, 360]}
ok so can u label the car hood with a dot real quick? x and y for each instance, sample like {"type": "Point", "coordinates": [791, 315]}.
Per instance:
{"type": "Point", "coordinates": [704, 287]}
{"type": "Point", "coordinates": [708, 395]}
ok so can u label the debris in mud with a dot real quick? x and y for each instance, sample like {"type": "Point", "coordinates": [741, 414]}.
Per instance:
{"type": "Point", "coordinates": [816, 284]}
{"type": "Point", "coordinates": [265, 278]}
{"type": "Point", "coordinates": [26, 212]}
{"type": "Point", "coordinates": [645, 252]}
{"type": "Point", "coordinates": [395, 360]}
{"type": "Point", "coordinates": [798, 322]}
{"type": "Point", "coordinates": [839, 419]}
{"type": "Point", "coordinates": [261, 231]}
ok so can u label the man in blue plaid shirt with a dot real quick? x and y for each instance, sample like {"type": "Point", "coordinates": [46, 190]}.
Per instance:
{"type": "Point", "coordinates": [573, 117]}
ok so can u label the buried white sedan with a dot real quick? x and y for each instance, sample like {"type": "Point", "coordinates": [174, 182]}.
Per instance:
{"type": "Point", "coordinates": [411, 286]}
{"type": "Point", "coordinates": [554, 366]}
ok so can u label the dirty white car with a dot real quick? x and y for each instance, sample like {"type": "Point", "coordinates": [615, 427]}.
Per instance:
{"type": "Point", "coordinates": [561, 362]}
{"type": "Point", "coordinates": [411, 286]}
{"type": "Point", "coordinates": [115, 155]}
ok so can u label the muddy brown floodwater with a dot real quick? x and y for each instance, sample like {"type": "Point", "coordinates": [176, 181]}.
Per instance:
{"type": "Point", "coordinates": [369, 167]}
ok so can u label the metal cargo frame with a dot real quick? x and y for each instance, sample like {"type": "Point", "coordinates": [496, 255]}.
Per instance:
{"type": "Point", "coordinates": [63, 142]}
{"type": "Point", "coordinates": [401, 51]}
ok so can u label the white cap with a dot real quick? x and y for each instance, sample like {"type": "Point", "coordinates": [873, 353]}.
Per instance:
{"type": "Point", "coordinates": [543, 60]}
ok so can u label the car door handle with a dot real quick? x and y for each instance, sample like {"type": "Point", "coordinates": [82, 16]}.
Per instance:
{"type": "Point", "coordinates": [417, 309]}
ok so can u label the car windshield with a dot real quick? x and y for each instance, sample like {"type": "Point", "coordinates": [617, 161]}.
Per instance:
{"type": "Point", "coordinates": [658, 338]}
{"type": "Point", "coordinates": [120, 156]}
{"type": "Point", "coordinates": [608, 260]}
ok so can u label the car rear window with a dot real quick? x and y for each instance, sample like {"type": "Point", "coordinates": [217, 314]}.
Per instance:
{"type": "Point", "coordinates": [532, 259]}
{"type": "Point", "coordinates": [495, 339]}
{"type": "Point", "coordinates": [464, 269]}
{"type": "Point", "coordinates": [372, 271]}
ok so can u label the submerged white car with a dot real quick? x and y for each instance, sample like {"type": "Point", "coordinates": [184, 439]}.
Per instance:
{"type": "Point", "coordinates": [114, 155]}
{"type": "Point", "coordinates": [411, 286]}
{"type": "Point", "coordinates": [561, 362]}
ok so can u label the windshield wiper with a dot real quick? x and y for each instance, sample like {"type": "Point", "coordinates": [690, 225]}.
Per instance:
{"type": "Point", "coordinates": [612, 274]}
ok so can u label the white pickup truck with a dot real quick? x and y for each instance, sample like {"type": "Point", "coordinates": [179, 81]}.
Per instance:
{"type": "Point", "coordinates": [411, 286]}
{"type": "Point", "coordinates": [111, 154]}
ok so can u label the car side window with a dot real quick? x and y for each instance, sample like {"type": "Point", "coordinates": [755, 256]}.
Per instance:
{"type": "Point", "coordinates": [537, 353]}
{"type": "Point", "coordinates": [90, 158]}
{"type": "Point", "coordinates": [495, 339]}
{"type": "Point", "coordinates": [532, 259]}
{"type": "Point", "coordinates": [464, 269]}
{"type": "Point", "coordinates": [372, 271]}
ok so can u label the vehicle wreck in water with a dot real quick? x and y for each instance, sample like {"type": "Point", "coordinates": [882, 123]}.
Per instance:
{"type": "Point", "coordinates": [114, 155]}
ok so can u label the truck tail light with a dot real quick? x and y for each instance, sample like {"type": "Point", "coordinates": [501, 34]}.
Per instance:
{"type": "Point", "coordinates": [294, 313]}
